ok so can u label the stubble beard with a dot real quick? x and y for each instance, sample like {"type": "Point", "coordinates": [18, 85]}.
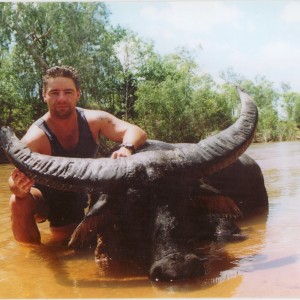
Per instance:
{"type": "Point", "coordinates": [62, 114]}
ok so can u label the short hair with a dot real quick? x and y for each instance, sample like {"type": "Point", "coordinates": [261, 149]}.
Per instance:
{"type": "Point", "coordinates": [61, 71]}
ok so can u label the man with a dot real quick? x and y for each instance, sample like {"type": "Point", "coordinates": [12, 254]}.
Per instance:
{"type": "Point", "coordinates": [70, 131]}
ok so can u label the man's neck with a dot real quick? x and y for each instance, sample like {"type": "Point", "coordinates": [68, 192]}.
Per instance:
{"type": "Point", "coordinates": [66, 130]}
{"type": "Point", "coordinates": [62, 123]}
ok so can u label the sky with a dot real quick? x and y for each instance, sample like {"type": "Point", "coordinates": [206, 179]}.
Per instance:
{"type": "Point", "coordinates": [253, 37]}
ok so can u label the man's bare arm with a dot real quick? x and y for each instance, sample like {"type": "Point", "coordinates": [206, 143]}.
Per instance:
{"type": "Point", "coordinates": [117, 130]}
{"type": "Point", "coordinates": [36, 140]}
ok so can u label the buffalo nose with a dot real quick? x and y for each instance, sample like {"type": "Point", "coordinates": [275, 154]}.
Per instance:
{"type": "Point", "coordinates": [177, 267]}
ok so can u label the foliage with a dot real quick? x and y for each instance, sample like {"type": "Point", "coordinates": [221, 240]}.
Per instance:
{"type": "Point", "coordinates": [296, 110]}
{"type": "Point", "coordinates": [166, 95]}
{"type": "Point", "coordinates": [292, 104]}
{"type": "Point", "coordinates": [47, 34]}
{"type": "Point", "coordinates": [162, 105]}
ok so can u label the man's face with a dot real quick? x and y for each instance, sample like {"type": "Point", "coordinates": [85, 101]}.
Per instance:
{"type": "Point", "coordinates": [61, 97]}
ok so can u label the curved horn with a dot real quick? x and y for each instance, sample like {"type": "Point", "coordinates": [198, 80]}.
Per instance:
{"type": "Point", "coordinates": [75, 174]}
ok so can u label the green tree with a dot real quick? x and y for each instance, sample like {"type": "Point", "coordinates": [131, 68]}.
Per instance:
{"type": "Point", "coordinates": [167, 95]}
{"type": "Point", "coordinates": [288, 100]}
{"type": "Point", "coordinates": [210, 110]}
{"type": "Point", "coordinates": [296, 109]}
{"type": "Point", "coordinates": [133, 54]}
{"type": "Point", "coordinates": [176, 104]}
{"type": "Point", "coordinates": [286, 131]}
{"type": "Point", "coordinates": [38, 35]}
{"type": "Point", "coordinates": [162, 105]}
{"type": "Point", "coordinates": [266, 98]}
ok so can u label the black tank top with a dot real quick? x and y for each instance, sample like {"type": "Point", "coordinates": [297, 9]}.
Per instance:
{"type": "Point", "coordinates": [86, 146]}
{"type": "Point", "coordinates": [68, 207]}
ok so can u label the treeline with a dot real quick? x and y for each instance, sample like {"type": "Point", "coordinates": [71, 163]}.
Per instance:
{"type": "Point", "coordinates": [168, 96]}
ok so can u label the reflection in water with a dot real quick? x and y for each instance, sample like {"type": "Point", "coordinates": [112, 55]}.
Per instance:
{"type": "Point", "coordinates": [266, 264]}
{"type": "Point", "coordinates": [273, 264]}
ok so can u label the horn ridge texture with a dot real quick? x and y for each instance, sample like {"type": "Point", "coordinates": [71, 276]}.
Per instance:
{"type": "Point", "coordinates": [141, 169]}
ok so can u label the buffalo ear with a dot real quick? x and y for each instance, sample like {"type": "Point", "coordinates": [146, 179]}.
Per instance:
{"type": "Point", "coordinates": [88, 229]}
{"type": "Point", "coordinates": [212, 200]}
{"type": "Point", "coordinates": [85, 232]}
{"type": "Point", "coordinates": [220, 205]}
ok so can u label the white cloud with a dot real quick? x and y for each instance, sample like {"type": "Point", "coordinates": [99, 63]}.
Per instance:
{"type": "Point", "coordinates": [186, 23]}
{"type": "Point", "coordinates": [193, 16]}
{"type": "Point", "coordinates": [281, 54]}
{"type": "Point", "coordinates": [272, 60]}
{"type": "Point", "coordinates": [247, 36]}
{"type": "Point", "coordinates": [250, 27]}
{"type": "Point", "coordinates": [291, 12]}
{"type": "Point", "coordinates": [163, 33]}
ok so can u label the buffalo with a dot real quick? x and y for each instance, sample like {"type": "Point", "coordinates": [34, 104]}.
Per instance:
{"type": "Point", "coordinates": [157, 205]}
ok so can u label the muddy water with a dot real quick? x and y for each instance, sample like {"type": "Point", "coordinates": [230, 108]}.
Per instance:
{"type": "Point", "coordinates": [266, 264]}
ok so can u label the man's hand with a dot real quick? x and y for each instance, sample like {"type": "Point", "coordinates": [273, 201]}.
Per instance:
{"type": "Point", "coordinates": [20, 184]}
{"type": "Point", "coordinates": [122, 152]}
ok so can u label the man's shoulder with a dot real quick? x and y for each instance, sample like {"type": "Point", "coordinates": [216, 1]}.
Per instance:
{"type": "Point", "coordinates": [94, 114]}
{"type": "Point", "coordinates": [97, 120]}
{"type": "Point", "coordinates": [36, 139]}
{"type": "Point", "coordinates": [33, 131]}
